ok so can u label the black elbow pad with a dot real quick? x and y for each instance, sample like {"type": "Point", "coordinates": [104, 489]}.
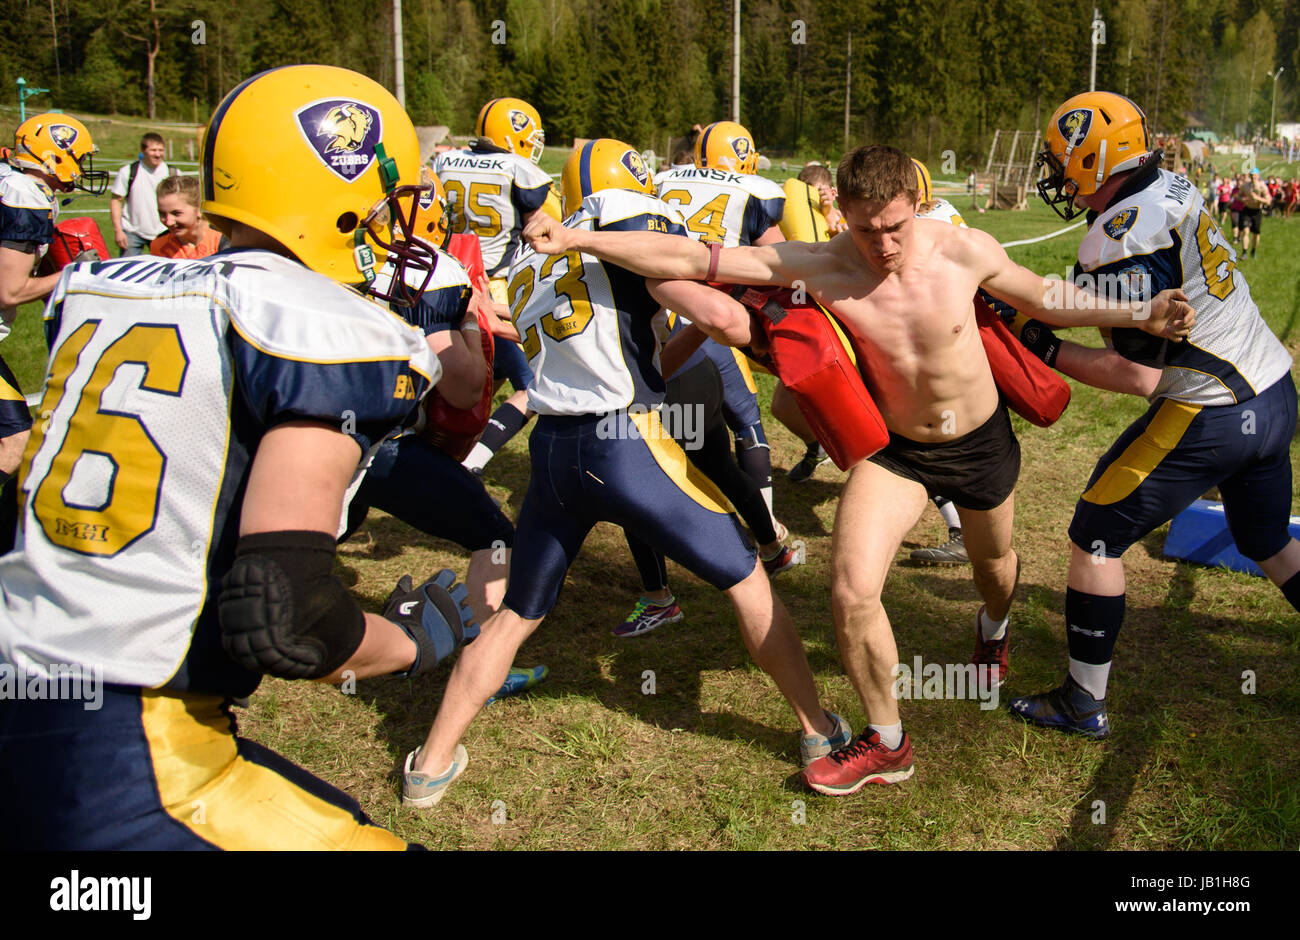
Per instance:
{"type": "Point", "coordinates": [282, 610]}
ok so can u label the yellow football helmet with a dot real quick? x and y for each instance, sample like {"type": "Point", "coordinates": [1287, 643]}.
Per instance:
{"type": "Point", "coordinates": [924, 188]}
{"type": "Point", "coordinates": [432, 213]}
{"type": "Point", "coordinates": [602, 164]}
{"type": "Point", "coordinates": [61, 146]}
{"type": "Point", "coordinates": [725, 145]}
{"type": "Point", "coordinates": [514, 126]}
{"type": "Point", "coordinates": [325, 161]}
{"type": "Point", "coordinates": [1090, 138]}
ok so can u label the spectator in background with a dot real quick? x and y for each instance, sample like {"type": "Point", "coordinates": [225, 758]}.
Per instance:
{"type": "Point", "coordinates": [1255, 197]}
{"type": "Point", "coordinates": [1292, 194]}
{"type": "Point", "coordinates": [188, 235]}
{"type": "Point", "coordinates": [134, 205]}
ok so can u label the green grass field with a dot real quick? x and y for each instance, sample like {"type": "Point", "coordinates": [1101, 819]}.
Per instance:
{"type": "Point", "coordinates": [710, 759]}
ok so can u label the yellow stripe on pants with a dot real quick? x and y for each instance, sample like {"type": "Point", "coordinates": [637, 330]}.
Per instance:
{"type": "Point", "coordinates": [233, 803]}
{"type": "Point", "coordinates": [1141, 457]}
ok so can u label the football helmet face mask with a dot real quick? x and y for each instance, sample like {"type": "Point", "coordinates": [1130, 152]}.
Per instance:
{"type": "Point", "coordinates": [924, 189]}
{"type": "Point", "coordinates": [726, 145]}
{"type": "Point", "coordinates": [603, 164]}
{"type": "Point", "coordinates": [325, 161]}
{"type": "Point", "coordinates": [61, 146]}
{"type": "Point", "coordinates": [1089, 138]}
{"type": "Point", "coordinates": [513, 125]}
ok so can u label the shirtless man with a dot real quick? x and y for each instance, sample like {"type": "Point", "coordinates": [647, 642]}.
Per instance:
{"type": "Point", "coordinates": [903, 286]}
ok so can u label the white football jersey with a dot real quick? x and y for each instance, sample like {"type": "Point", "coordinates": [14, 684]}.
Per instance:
{"type": "Point", "coordinates": [28, 212]}
{"type": "Point", "coordinates": [586, 323]}
{"type": "Point", "coordinates": [720, 206]}
{"type": "Point", "coordinates": [943, 211]}
{"type": "Point", "coordinates": [1162, 236]}
{"type": "Point", "coordinates": [489, 194]}
{"type": "Point", "coordinates": [163, 377]}
{"type": "Point", "coordinates": [446, 294]}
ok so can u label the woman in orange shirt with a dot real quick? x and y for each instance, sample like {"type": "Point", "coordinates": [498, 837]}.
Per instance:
{"type": "Point", "coordinates": [188, 234]}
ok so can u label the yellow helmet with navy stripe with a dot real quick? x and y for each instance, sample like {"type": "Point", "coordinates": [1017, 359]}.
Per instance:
{"type": "Point", "coordinates": [513, 125]}
{"type": "Point", "coordinates": [726, 145]}
{"type": "Point", "coordinates": [603, 164]}
{"type": "Point", "coordinates": [924, 188]}
{"type": "Point", "coordinates": [60, 145]}
{"type": "Point", "coordinates": [1090, 138]}
{"type": "Point", "coordinates": [325, 161]}
{"type": "Point", "coordinates": [432, 216]}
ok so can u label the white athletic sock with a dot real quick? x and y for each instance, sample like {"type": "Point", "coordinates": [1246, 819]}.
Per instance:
{"type": "Point", "coordinates": [1091, 677]}
{"type": "Point", "coordinates": [891, 736]}
{"type": "Point", "coordinates": [767, 498]}
{"type": "Point", "coordinates": [949, 512]}
{"type": "Point", "coordinates": [992, 629]}
{"type": "Point", "coordinates": [478, 458]}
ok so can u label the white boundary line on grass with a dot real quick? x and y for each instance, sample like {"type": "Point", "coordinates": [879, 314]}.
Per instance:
{"type": "Point", "coordinates": [1043, 238]}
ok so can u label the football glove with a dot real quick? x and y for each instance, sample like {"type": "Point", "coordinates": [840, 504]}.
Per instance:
{"type": "Point", "coordinates": [1038, 338]}
{"type": "Point", "coordinates": [436, 615]}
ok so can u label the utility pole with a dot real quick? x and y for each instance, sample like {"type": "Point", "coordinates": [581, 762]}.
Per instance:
{"type": "Point", "coordinates": [848, 88]}
{"type": "Point", "coordinates": [735, 63]}
{"type": "Point", "coordinates": [399, 63]}
{"type": "Point", "coordinates": [1272, 112]}
{"type": "Point", "coordinates": [1098, 39]}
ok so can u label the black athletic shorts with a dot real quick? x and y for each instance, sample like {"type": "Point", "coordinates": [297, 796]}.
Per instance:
{"type": "Point", "coordinates": [1250, 219]}
{"type": "Point", "coordinates": [976, 471]}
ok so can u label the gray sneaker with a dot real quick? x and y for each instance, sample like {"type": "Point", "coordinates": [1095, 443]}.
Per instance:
{"type": "Point", "coordinates": [815, 746]}
{"type": "Point", "coordinates": [425, 790]}
{"type": "Point", "coordinates": [951, 552]}
{"type": "Point", "coordinates": [802, 471]}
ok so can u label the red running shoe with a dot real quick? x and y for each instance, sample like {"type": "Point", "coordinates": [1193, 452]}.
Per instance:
{"type": "Point", "coordinates": [863, 760]}
{"type": "Point", "coordinates": [990, 653]}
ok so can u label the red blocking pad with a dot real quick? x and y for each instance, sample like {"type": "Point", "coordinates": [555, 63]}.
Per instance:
{"type": "Point", "coordinates": [1200, 533]}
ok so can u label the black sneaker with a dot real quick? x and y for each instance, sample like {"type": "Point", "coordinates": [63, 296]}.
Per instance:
{"type": "Point", "coordinates": [951, 552]}
{"type": "Point", "coordinates": [1070, 708]}
{"type": "Point", "coordinates": [802, 471]}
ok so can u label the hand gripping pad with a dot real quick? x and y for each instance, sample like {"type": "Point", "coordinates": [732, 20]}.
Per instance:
{"type": "Point", "coordinates": [436, 615]}
{"type": "Point", "coordinates": [813, 358]}
{"type": "Point", "coordinates": [450, 429]}
{"type": "Point", "coordinates": [1031, 387]}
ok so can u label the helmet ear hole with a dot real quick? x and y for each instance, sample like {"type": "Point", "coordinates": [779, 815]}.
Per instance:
{"type": "Point", "coordinates": [1089, 161]}
{"type": "Point", "coordinates": [347, 223]}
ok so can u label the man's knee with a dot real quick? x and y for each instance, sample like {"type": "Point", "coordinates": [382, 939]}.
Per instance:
{"type": "Point", "coordinates": [855, 597]}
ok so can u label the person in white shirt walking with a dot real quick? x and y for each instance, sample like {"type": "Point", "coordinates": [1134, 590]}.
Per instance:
{"type": "Point", "coordinates": [134, 203]}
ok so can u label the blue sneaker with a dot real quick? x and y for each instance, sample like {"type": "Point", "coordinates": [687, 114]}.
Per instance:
{"type": "Point", "coordinates": [814, 746]}
{"type": "Point", "coordinates": [1070, 708]}
{"type": "Point", "coordinates": [520, 680]}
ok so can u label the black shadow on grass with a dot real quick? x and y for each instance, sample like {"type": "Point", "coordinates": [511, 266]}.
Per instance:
{"type": "Point", "coordinates": [1173, 636]}
{"type": "Point", "coordinates": [586, 660]}
{"type": "Point", "coordinates": [796, 504]}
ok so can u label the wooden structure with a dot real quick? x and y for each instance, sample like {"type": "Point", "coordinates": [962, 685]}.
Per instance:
{"type": "Point", "coordinates": [1009, 172]}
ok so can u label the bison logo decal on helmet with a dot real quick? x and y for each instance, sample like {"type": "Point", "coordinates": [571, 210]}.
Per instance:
{"type": "Point", "coordinates": [343, 134]}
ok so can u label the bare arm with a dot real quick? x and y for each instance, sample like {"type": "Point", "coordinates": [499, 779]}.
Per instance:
{"type": "Point", "coordinates": [1061, 303]}
{"type": "Point", "coordinates": [711, 310]}
{"type": "Point", "coordinates": [463, 368]}
{"type": "Point", "coordinates": [1105, 368]}
{"type": "Point", "coordinates": [672, 257]}
{"type": "Point", "coordinates": [676, 351]}
{"type": "Point", "coordinates": [17, 286]}
{"type": "Point", "coordinates": [299, 475]}
{"type": "Point", "coordinates": [498, 315]}
{"type": "Point", "coordinates": [115, 212]}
